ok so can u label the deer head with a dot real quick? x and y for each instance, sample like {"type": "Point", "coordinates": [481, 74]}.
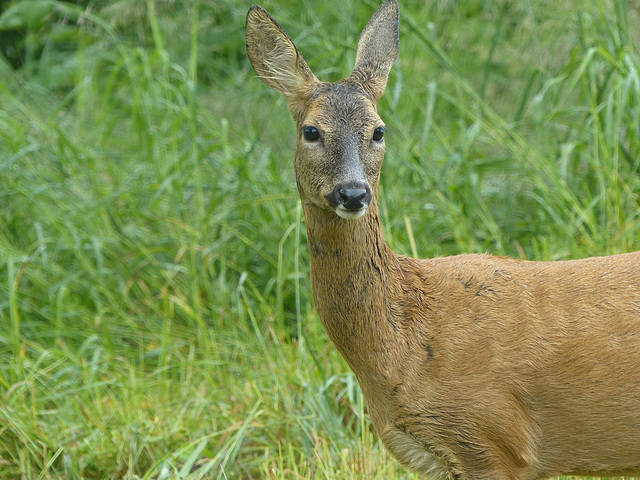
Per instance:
{"type": "Point", "coordinates": [340, 137]}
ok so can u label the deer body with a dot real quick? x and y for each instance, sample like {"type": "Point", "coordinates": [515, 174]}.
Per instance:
{"type": "Point", "coordinates": [471, 366]}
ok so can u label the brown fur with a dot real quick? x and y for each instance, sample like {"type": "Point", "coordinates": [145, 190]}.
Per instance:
{"type": "Point", "coordinates": [472, 366]}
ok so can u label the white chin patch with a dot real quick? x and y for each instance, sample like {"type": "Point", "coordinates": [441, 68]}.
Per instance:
{"type": "Point", "coordinates": [350, 214]}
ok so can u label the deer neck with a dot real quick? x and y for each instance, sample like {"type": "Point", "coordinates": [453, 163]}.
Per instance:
{"type": "Point", "coordinates": [351, 284]}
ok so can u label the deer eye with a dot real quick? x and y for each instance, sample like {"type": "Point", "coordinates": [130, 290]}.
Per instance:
{"type": "Point", "coordinates": [378, 134]}
{"type": "Point", "coordinates": [310, 133]}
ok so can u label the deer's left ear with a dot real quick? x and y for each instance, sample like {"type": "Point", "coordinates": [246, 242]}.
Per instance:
{"type": "Point", "coordinates": [275, 58]}
{"type": "Point", "coordinates": [377, 50]}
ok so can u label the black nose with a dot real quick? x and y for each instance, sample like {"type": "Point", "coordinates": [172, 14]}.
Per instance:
{"type": "Point", "coordinates": [351, 197]}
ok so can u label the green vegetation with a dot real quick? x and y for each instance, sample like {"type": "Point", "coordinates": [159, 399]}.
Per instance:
{"type": "Point", "coordinates": [154, 295]}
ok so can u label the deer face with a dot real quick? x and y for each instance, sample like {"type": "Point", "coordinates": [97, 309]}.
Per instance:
{"type": "Point", "coordinates": [339, 152]}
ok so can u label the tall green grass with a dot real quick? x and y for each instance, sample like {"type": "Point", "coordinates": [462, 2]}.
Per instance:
{"type": "Point", "coordinates": [158, 319]}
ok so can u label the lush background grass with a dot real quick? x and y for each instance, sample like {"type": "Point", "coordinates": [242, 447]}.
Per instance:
{"type": "Point", "coordinates": [155, 307]}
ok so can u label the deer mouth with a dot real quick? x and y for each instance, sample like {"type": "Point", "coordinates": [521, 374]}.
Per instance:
{"type": "Point", "coordinates": [343, 212]}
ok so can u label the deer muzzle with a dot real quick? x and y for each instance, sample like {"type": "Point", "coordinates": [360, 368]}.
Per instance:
{"type": "Point", "coordinates": [350, 200]}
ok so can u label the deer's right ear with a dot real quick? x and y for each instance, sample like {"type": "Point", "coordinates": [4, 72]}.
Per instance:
{"type": "Point", "coordinates": [377, 49]}
{"type": "Point", "coordinates": [275, 58]}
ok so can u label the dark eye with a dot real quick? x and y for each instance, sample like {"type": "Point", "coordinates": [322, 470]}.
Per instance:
{"type": "Point", "coordinates": [310, 133]}
{"type": "Point", "coordinates": [378, 133]}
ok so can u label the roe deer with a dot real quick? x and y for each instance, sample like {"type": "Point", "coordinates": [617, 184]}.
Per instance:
{"type": "Point", "coordinates": [471, 366]}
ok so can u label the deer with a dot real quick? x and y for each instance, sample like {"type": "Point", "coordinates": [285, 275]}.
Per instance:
{"type": "Point", "coordinates": [472, 366]}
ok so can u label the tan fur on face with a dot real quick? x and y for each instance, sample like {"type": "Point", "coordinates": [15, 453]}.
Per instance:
{"type": "Point", "coordinates": [342, 154]}
{"type": "Point", "coordinates": [473, 366]}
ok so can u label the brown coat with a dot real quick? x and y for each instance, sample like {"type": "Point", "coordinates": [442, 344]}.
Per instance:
{"type": "Point", "coordinates": [472, 366]}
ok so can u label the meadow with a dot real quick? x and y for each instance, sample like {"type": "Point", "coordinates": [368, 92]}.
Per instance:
{"type": "Point", "coordinates": [157, 318]}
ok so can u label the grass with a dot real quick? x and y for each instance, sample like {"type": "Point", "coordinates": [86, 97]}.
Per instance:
{"type": "Point", "coordinates": [153, 265]}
